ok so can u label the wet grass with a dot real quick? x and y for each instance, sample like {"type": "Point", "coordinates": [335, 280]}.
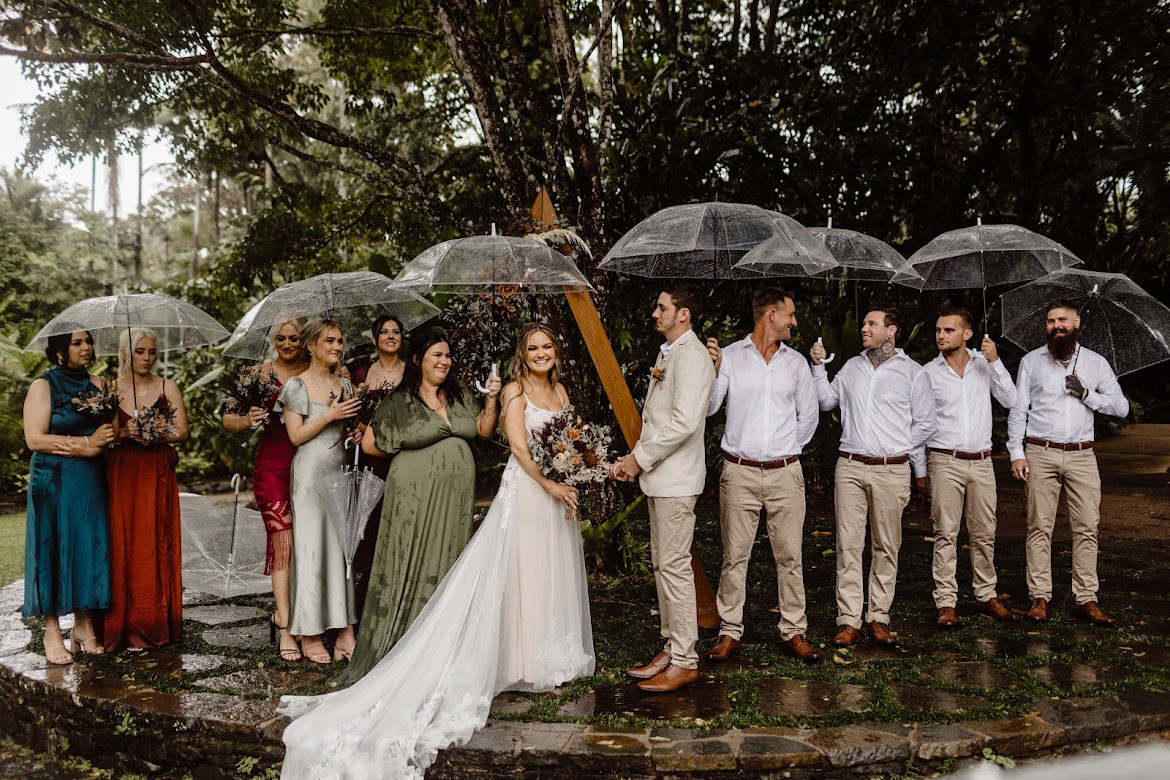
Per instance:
{"type": "Point", "coordinates": [11, 547]}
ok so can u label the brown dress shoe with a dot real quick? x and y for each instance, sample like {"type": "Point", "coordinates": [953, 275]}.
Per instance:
{"type": "Point", "coordinates": [880, 633]}
{"type": "Point", "coordinates": [670, 679]}
{"type": "Point", "coordinates": [725, 648]}
{"type": "Point", "coordinates": [652, 669]}
{"type": "Point", "coordinates": [994, 609]}
{"type": "Point", "coordinates": [1091, 612]}
{"type": "Point", "coordinates": [1039, 611]}
{"type": "Point", "coordinates": [947, 617]}
{"type": "Point", "coordinates": [800, 648]}
{"type": "Point", "coordinates": [848, 636]}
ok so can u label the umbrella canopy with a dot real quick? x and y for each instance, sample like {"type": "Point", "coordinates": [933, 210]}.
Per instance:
{"type": "Point", "coordinates": [178, 324]}
{"type": "Point", "coordinates": [861, 257]}
{"type": "Point", "coordinates": [1119, 319]}
{"type": "Point", "coordinates": [709, 241]}
{"type": "Point", "coordinates": [223, 551]}
{"type": "Point", "coordinates": [793, 250]}
{"type": "Point", "coordinates": [468, 265]}
{"type": "Point", "coordinates": [987, 255]}
{"type": "Point", "coordinates": [353, 298]}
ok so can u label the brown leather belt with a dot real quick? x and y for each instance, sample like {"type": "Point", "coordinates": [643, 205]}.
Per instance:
{"type": "Point", "coordinates": [1060, 445]}
{"type": "Point", "coordinates": [768, 464]}
{"type": "Point", "coordinates": [869, 460]}
{"type": "Point", "coordinates": [963, 455]}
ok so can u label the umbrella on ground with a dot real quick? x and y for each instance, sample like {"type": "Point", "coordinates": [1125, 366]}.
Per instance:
{"type": "Point", "coordinates": [469, 265]}
{"type": "Point", "coordinates": [178, 324]}
{"type": "Point", "coordinates": [353, 298]}
{"type": "Point", "coordinates": [984, 256]}
{"type": "Point", "coordinates": [1119, 319]}
{"type": "Point", "coordinates": [222, 555]}
{"type": "Point", "coordinates": [352, 495]}
{"type": "Point", "coordinates": [710, 241]}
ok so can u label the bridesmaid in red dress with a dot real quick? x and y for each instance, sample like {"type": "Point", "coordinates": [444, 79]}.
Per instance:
{"type": "Point", "coordinates": [384, 372]}
{"type": "Point", "coordinates": [274, 457]}
{"type": "Point", "coordinates": [146, 571]}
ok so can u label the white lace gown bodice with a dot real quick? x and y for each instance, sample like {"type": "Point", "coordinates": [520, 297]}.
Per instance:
{"type": "Point", "coordinates": [511, 614]}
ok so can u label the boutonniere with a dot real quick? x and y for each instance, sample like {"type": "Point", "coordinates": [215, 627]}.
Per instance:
{"type": "Point", "coordinates": [658, 373]}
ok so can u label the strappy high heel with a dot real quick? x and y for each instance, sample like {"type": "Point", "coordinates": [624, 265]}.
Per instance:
{"type": "Point", "coordinates": [320, 657]}
{"type": "Point", "coordinates": [88, 644]}
{"type": "Point", "coordinates": [287, 654]}
{"type": "Point", "coordinates": [51, 648]}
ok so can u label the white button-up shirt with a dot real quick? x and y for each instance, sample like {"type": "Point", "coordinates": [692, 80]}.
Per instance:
{"type": "Point", "coordinates": [771, 406]}
{"type": "Point", "coordinates": [888, 410]}
{"type": "Point", "coordinates": [963, 403]}
{"type": "Point", "coordinates": [1044, 407]}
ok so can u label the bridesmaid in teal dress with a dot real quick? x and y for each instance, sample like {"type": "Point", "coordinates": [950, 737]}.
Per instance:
{"type": "Point", "coordinates": [315, 403]}
{"type": "Point", "coordinates": [426, 425]}
{"type": "Point", "coordinates": [67, 543]}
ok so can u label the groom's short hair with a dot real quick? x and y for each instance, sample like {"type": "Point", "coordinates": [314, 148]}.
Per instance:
{"type": "Point", "coordinates": [685, 296]}
{"type": "Point", "coordinates": [766, 298]}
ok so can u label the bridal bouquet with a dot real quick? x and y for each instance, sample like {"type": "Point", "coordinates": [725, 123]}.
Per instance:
{"type": "Point", "coordinates": [570, 450]}
{"type": "Point", "coordinates": [250, 387]}
{"type": "Point", "coordinates": [99, 404]}
{"type": "Point", "coordinates": [156, 420]}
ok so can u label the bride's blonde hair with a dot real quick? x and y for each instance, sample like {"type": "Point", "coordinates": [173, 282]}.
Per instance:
{"type": "Point", "coordinates": [520, 370]}
{"type": "Point", "coordinates": [128, 342]}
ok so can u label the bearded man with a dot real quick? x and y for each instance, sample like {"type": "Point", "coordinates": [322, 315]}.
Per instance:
{"type": "Point", "coordinates": [1050, 439]}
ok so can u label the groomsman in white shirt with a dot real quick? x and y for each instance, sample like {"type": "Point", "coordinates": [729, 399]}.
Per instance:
{"type": "Point", "coordinates": [959, 462]}
{"type": "Point", "coordinates": [771, 415]}
{"type": "Point", "coordinates": [887, 415]}
{"type": "Point", "coordinates": [1050, 439]}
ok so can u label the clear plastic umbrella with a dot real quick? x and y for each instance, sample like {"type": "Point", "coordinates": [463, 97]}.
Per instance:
{"type": "Point", "coordinates": [988, 255]}
{"type": "Point", "coordinates": [861, 257]}
{"type": "Point", "coordinates": [222, 555]}
{"type": "Point", "coordinates": [710, 241]}
{"type": "Point", "coordinates": [352, 495]}
{"type": "Point", "coordinates": [178, 324]}
{"type": "Point", "coordinates": [353, 298]}
{"type": "Point", "coordinates": [1119, 319]}
{"type": "Point", "coordinates": [469, 265]}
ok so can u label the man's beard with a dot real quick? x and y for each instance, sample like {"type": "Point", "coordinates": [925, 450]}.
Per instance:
{"type": "Point", "coordinates": [948, 351]}
{"type": "Point", "coordinates": [1062, 345]}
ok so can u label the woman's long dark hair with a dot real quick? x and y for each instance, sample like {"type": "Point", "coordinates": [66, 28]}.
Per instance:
{"type": "Point", "coordinates": [412, 371]}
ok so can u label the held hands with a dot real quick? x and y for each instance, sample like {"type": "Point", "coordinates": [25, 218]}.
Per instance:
{"type": "Point", "coordinates": [563, 492]}
{"type": "Point", "coordinates": [1020, 469]}
{"type": "Point", "coordinates": [255, 416]}
{"type": "Point", "coordinates": [625, 469]}
{"type": "Point", "coordinates": [923, 485]}
{"type": "Point", "coordinates": [715, 352]}
{"type": "Point", "coordinates": [1074, 386]}
{"type": "Point", "coordinates": [988, 349]}
{"type": "Point", "coordinates": [817, 354]}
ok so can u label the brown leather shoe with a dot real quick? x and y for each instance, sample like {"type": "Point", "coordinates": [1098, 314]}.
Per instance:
{"type": "Point", "coordinates": [947, 617]}
{"type": "Point", "coordinates": [995, 610]}
{"type": "Point", "coordinates": [1091, 612]}
{"type": "Point", "coordinates": [1039, 611]}
{"type": "Point", "coordinates": [880, 633]}
{"type": "Point", "coordinates": [724, 649]}
{"type": "Point", "coordinates": [800, 648]}
{"type": "Point", "coordinates": [848, 636]}
{"type": "Point", "coordinates": [652, 669]}
{"type": "Point", "coordinates": [670, 679]}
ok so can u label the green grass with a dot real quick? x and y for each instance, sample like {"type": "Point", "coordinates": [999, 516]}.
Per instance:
{"type": "Point", "coordinates": [11, 547]}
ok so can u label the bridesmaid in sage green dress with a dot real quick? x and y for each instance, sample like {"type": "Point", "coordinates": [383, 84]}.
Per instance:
{"type": "Point", "coordinates": [315, 403]}
{"type": "Point", "coordinates": [426, 425]}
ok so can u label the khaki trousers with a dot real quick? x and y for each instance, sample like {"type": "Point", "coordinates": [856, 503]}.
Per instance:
{"type": "Point", "coordinates": [956, 484]}
{"type": "Point", "coordinates": [1048, 469]}
{"type": "Point", "coordinates": [672, 529]}
{"type": "Point", "coordinates": [743, 491]}
{"type": "Point", "coordinates": [879, 493]}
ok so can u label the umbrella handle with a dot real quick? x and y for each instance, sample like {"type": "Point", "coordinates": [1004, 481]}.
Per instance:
{"type": "Point", "coordinates": [495, 374]}
{"type": "Point", "coordinates": [830, 358]}
{"type": "Point", "coordinates": [236, 481]}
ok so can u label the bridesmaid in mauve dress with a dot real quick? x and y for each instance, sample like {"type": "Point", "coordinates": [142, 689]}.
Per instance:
{"type": "Point", "coordinates": [426, 518]}
{"type": "Point", "coordinates": [274, 455]}
{"type": "Point", "coordinates": [67, 543]}
{"type": "Point", "coordinates": [315, 404]}
{"type": "Point", "coordinates": [384, 374]}
{"type": "Point", "coordinates": [146, 573]}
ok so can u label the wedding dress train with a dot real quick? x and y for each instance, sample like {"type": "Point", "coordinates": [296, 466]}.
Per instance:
{"type": "Point", "coordinates": [511, 614]}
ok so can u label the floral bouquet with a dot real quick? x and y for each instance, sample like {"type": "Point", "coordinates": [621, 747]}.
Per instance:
{"type": "Point", "coordinates": [371, 398]}
{"type": "Point", "coordinates": [570, 450]}
{"type": "Point", "coordinates": [98, 404]}
{"type": "Point", "coordinates": [156, 421]}
{"type": "Point", "coordinates": [251, 387]}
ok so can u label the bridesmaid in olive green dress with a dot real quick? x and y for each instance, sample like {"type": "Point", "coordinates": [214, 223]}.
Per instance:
{"type": "Point", "coordinates": [426, 425]}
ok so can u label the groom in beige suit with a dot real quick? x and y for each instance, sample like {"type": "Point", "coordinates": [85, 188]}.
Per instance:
{"type": "Point", "coordinates": [670, 462]}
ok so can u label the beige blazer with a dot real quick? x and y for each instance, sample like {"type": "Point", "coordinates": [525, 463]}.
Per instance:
{"type": "Point", "coordinates": [670, 449]}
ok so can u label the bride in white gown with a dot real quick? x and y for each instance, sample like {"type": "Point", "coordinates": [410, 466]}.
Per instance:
{"type": "Point", "coordinates": [511, 614]}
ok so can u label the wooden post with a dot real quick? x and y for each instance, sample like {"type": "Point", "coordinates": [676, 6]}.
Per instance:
{"type": "Point", "coordinates": [629, 420]}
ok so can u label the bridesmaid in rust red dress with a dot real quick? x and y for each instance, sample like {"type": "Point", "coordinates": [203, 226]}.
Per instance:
{"type": "Point", "coordinates": [146, 560]}
{"type": "Point", "coordinates": [383, 375]}
{"type": "Point", "coordinates": [274, 456]}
